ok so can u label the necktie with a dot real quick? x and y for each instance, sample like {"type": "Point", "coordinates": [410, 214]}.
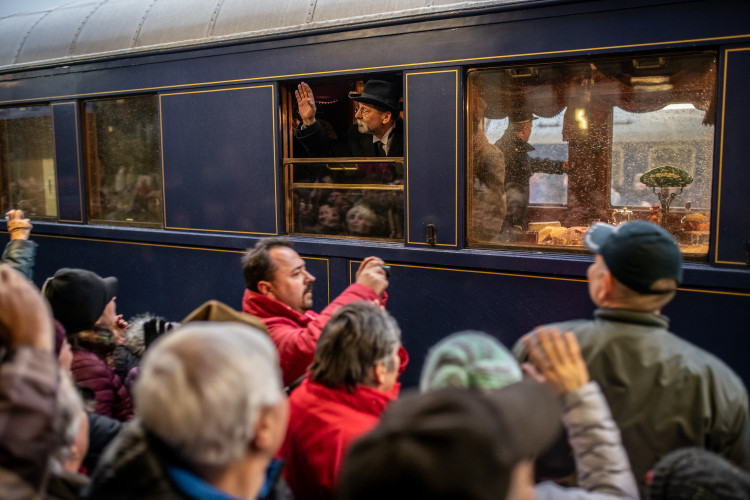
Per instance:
{"type": "Point", "coordinates": [381, 148]}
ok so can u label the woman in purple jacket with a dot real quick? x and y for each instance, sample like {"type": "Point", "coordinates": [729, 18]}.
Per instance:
{"type": "Point", "coordinates": [84, 303]}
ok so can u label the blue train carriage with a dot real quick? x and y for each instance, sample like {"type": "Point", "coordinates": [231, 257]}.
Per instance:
{"type": "Point", "coordinates": [155, 141]}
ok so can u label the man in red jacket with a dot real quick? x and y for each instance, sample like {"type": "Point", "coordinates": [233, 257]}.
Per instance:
{"type": "Point", "coordinates": [279, 292]}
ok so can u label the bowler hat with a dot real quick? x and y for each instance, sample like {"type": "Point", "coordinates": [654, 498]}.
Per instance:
{"type": "Point", "coordinates": [78, 297]}
{"type": "Point", "coordinates": [380, 94]}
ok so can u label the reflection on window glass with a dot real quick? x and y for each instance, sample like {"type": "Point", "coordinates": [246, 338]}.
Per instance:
{"type": "Point", "coordinates": [347, 198]}
{"type": "Point", "coordinates": [555, 147]}
{"type": "Point", "coordinates": [122, 143]}
{"type": "Point", "coordinates": [27, 159]}
{"type": "Point", "coordinates": [674, 135]}
{"type": "Point", "coordinates": [545, 141]}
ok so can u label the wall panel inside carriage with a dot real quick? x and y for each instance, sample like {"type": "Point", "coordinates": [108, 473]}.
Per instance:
{"type": "Point", "coordinates": [223, 117]}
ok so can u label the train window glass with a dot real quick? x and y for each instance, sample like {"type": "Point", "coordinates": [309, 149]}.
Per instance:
{"type": "Point", "coordinates": [27, 161]}
{"type": "Point", "coordinates": [123, 163]}
{"type": "Point", "coordinates": [555, 147]}
{"type": "Point", "coordinates": [339, 181]}
{"type": "Point", "coordinates": [347, 198]}
{"type": "Point", "coordinates": [674, 135]}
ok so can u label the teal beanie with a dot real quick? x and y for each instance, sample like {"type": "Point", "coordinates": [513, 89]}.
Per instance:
{"type": "Point", "coordinates": [469, 359]}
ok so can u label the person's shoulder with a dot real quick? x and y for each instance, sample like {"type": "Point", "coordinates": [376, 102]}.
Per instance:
{"type": "Point", "coordinates": [703, 362]}
{"type": "Point", "coordinates": [82, 357]}
{"type": "Point", "coordinates": [130, 467]}
{"type": "Point", "coordinates": [577, 326]}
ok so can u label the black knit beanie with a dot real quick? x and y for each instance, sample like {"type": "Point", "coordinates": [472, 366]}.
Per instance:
{"type": "Point", "coordinates": [698, 474]}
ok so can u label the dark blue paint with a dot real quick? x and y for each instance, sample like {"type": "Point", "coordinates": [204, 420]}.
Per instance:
{"type": "Point", "coordinates": [67, 162]}
{"type": "Point", "coordinates": [732, 218]}
{"type": "Point", "coordinates": [220, 160]}
{"type": "Point", "coordinates": [432, 165]}
{"type": "Point", "coordinates": [168, 281]}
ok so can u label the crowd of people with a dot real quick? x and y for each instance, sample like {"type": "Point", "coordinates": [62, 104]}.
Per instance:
{"type": "Point", "coordinates": [277, 401]}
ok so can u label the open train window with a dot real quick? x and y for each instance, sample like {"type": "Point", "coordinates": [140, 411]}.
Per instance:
{"type": "Point", "coordinates": [555, 147]}
{"type": "Point", "coordinates": [27, 161]}
{"type": "Point", "coordinates": [122, 161]}
{"type": "Point", "coordinates": [343, 158]}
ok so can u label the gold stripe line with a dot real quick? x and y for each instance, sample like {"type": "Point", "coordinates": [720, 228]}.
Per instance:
{"type": "Point", "coordinates": [215, 230]}
{"type": "Point", "coordinates": [721, 157]}
{"type": "Point", "coordinates": [515, 275]}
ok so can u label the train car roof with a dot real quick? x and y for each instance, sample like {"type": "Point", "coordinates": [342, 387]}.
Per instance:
{"type": "Point", "coordinates": [42, 33]}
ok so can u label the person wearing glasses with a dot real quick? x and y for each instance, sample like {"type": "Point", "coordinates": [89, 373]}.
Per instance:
{"type": "Point", "coordinates": [377, 133]}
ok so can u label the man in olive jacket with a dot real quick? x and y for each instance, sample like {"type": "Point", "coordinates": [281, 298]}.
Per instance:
{"type": "Point", "coordinates": [664, 392]}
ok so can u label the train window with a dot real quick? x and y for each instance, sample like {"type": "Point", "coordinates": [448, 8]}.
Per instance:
{"type": "Point", "coordinates": [123, 164]}
{"type": "Point", "coordinates": [27, 161]}
{"type": "Point", "coordinates": [344, 159]}
{"type": "Point", "coordinates": [555, 147]}
{"type": "Point", "coordinates": [354, 198]}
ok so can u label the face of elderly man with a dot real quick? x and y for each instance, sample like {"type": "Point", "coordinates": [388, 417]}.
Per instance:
{"type": "Point", "coordinates": [372, 121]}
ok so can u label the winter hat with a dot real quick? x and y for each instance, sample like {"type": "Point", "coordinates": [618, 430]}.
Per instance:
{"type": "Point", "coordinates": [78, 297]}
{"type": "Point", "coordinates": [698, 474]}
{"type": "Point", "coordinates": [637, 253]}
{"type": "Point", "coordinates": [469, 359]}
{"type": "Point", "coordinates": [451, 443]}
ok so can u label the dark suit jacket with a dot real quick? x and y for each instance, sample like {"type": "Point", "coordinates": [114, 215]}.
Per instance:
{"type": "Point", "coordinates": [355, 144]}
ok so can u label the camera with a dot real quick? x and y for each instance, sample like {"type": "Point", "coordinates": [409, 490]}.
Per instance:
{"type": "Point", "coordinates": [387, 270]}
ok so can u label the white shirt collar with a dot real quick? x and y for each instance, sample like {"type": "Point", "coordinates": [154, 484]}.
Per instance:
{"type": "Point", "coordinates": [387, 138]}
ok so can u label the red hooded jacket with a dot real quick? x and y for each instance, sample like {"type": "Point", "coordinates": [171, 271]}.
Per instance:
{"type": "Point", "coordinates": [296, 334]}
{"type": "Point", "coordinates": [322, 424]}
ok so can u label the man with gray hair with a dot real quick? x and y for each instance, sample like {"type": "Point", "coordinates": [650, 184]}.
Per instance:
{"type": "Point", "coordinates": [351, 381]}
{"type": "Point", "coordinates": [212, 414]}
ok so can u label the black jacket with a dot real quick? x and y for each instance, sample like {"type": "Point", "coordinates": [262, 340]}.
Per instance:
{"type": "Point", "coordinates": [355, 144]}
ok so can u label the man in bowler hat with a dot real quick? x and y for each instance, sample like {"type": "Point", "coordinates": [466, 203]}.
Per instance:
{"type": "Point", "coordinates": [378, 131]}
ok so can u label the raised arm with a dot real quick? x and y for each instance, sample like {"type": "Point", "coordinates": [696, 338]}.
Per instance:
{"type": "Point", "coordinates": [28, 385]}
{"type": "Point", "coordinates": [602, 464]}
{"type": "Point", "coordinates": [306, 103]}
{"type": "Point", "coordinates": [19, 253]}
{"type": "Point", "coordinates": [371, 274]}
